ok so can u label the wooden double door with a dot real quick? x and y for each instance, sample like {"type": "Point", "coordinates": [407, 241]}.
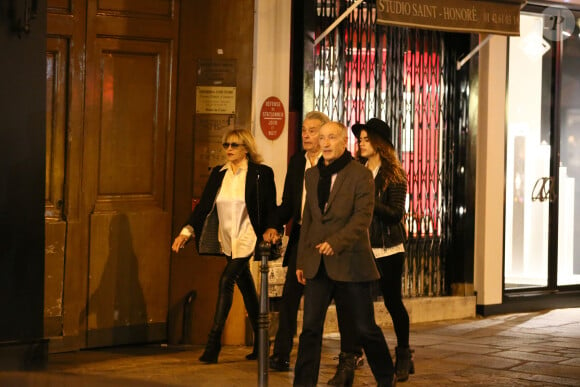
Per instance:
{"type": "Point", "coordinates": [111, 92]}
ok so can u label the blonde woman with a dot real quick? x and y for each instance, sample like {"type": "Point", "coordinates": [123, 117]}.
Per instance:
{"type": "Point", "coordinates": [230, 219]}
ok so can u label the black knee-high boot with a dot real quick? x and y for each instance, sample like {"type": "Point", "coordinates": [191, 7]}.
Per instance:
{"type": "Point", "coordinates": [247, 288]}
{"type": "Point", "coordinates": [213, 346]}
{"type": "Point", "coordinates": [223, 306]}
{"type": "Point", "coordinates": [254, 323]}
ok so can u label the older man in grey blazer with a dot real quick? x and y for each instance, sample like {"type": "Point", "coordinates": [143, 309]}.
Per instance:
{"type": "Point", "coordinates": [335, 259]}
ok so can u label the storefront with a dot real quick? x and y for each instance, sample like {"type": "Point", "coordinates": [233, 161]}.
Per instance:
{"type": "Point", "coordinates": [542, 160]}
{"type": "Point", "coordinates": [485, 121]}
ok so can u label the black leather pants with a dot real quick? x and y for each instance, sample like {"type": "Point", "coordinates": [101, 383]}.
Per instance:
{"type": "Point", "coordinates": [237, 271]}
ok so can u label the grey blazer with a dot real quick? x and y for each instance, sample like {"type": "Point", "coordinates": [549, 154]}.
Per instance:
{"type": "Point", "coordinates": [344, 225]}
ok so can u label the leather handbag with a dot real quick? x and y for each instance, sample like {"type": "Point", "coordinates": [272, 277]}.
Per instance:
{"type": "Point", "coordinates": [208, 241]}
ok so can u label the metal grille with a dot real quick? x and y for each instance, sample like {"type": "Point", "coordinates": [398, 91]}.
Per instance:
{"type": "Point", "coordinates": [405, 77]}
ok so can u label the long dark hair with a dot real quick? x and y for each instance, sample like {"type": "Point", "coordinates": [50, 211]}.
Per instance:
{"type": "Point", "coordinates": [391, 169]}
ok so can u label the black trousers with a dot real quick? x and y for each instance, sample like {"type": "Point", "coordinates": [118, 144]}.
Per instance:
{"type": "Point", "coordinates": [353, 299]}
{"type": "Point", "coordinates": [237, 271]}
{"type": "Point", "coordinates": [289, 305]}
{"type": "Point", "coordinates": [391, 269]}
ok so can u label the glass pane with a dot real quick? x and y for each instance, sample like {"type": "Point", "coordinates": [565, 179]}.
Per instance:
{"type": "Point", "coordinates": [527, 157]}
{"type": "Point", "coordinates": [569, 190]}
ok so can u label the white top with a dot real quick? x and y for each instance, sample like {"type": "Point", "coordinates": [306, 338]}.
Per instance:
{"type": "Point", "coordinates": [236, 234]}
{"type": "Point", "coordinates": [381, 252]}
{"type": "Point", "coordinates": [306, 167]}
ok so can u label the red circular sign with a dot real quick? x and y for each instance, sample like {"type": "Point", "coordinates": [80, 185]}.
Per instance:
{"type": "Point", "coordinates": [272, 117]}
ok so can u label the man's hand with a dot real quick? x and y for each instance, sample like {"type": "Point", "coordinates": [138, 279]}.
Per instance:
{"type": "Point", "coordinates": [179, 242]}
{"type": "Point", "coordinates": [271, 235]}
{"type": "Point", "coordinates": [325, 248]}
{"type": "Point", "coordinates": [300, 276]}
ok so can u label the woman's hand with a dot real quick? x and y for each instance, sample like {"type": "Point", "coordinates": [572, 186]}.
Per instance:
{"type": "Point", "coordinates": [179, 242]}
{"type": "Point", "coordinates": [271, 235]}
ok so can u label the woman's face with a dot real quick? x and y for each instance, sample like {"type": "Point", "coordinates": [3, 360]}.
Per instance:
{"type": "Point", "coordinates": [366, 148]}
{"type": "Point", "coordinates": [235, 149]}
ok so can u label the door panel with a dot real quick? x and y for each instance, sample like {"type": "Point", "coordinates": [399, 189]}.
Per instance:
{"type": "Point", "coordinates": [542, 156]}
{"type": "Point", "coordinates": [55, 225]}
{"type": "Point", "coordinates": [60, 6]}
{"type": "Point", "coordinates": [137, 7]}
{"type": "Point", "coordinates": [56, 86]}
{"type": "Point", "coordinates": [127, 169]}
{"type": "Point", "coordinates": [528, 155]}
{"type": "Point", "coordinates": [65, 246]}
{"type": "Point", "coordinates": [128, 293]}
{"type": "Point", "coordinates": [133, 116]}
{"type": "Point", "coordinates": [568, 272]}
{"type": "Point", "coordinates": [129, 229]}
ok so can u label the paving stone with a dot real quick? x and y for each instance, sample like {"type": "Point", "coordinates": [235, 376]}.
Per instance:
{"type": "Point", "coordinates": [484, 361]}
{"type": "Point", "coordinates": [548, 369]}
{"type": "Point", "coordinates": [460, 347]}
{"type": "Point", "coordinates": [521, 355]}
{"type": "Point", "coordinates": [551, 380]}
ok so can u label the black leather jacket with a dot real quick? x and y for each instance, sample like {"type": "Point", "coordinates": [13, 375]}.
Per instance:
{"type": "Point", "coordinates": [387, 228]}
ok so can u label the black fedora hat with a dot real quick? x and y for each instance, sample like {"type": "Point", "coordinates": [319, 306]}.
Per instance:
{"type": "Point", "coordinates": [375, 126]}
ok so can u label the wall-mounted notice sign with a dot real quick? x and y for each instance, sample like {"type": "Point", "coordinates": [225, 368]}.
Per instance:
{"type": "Point", "coordinates": [215, 100]}
{"type": "Point", "coordinates": [272, 118]}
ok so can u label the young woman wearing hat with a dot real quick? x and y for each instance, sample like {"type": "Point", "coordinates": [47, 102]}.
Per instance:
{"type": "Point", "coordinates": [387, 232]}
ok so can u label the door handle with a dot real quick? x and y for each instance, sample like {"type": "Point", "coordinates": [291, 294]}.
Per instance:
{"type": "Point", "coordinates": [543, 190]}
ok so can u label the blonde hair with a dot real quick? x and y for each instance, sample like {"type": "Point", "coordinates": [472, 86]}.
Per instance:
{"type": "Point", "coordinates": [247, 139]}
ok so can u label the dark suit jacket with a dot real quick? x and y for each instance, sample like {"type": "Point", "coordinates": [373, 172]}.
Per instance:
{"type": "Point", "coordinates": [291, 206]}
{"type": "Point", "coordinates": [344, 225]}
{"type": "Point", "coordinates": [259, 180]}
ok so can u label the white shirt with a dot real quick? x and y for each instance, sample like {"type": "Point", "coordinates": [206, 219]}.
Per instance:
{"type": "Point", "coordinates": [306, 167]}
{"type": "Point", "coordinates": [381, 252]}
{"type": "Point", "coordinates": [236, 234]}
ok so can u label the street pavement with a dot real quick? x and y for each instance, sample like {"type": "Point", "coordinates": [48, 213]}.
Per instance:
{"type": "Point", "coordinates": [523, 349]}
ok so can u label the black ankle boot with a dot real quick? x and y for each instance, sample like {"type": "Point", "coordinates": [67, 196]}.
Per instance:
{"type": "Point", "coordinates": [213, 347]}
{"type": "Point", "coordinates": [404, 363]}
{"type": "Point", "coordinates": [256, 351]}
{"type": "Point", "coordinates": [389, 382]}
{"type": "Point", "coordinates": [344, 375]}
{"type": "Point", "coordinates": [254, 354]}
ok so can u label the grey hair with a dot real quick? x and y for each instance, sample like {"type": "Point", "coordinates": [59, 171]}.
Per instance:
{"type": "Point", "coordinates": [315, 115]}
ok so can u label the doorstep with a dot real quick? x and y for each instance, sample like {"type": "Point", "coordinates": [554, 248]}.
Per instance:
{"type": "Point", "coordinates": [420, 309]}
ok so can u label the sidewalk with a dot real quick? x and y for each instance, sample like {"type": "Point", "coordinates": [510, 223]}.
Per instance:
{"type": "Point", "coordinates": [525, 349]}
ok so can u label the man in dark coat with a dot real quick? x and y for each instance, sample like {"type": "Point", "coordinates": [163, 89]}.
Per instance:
{"type": "Point", "coordinates": [291, 208]}
{"type": "Point", "coordinates": [335, 259]}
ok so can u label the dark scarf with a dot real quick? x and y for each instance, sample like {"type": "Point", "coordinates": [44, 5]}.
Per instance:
{"type": "Point", "coordinates": [326, 172]}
